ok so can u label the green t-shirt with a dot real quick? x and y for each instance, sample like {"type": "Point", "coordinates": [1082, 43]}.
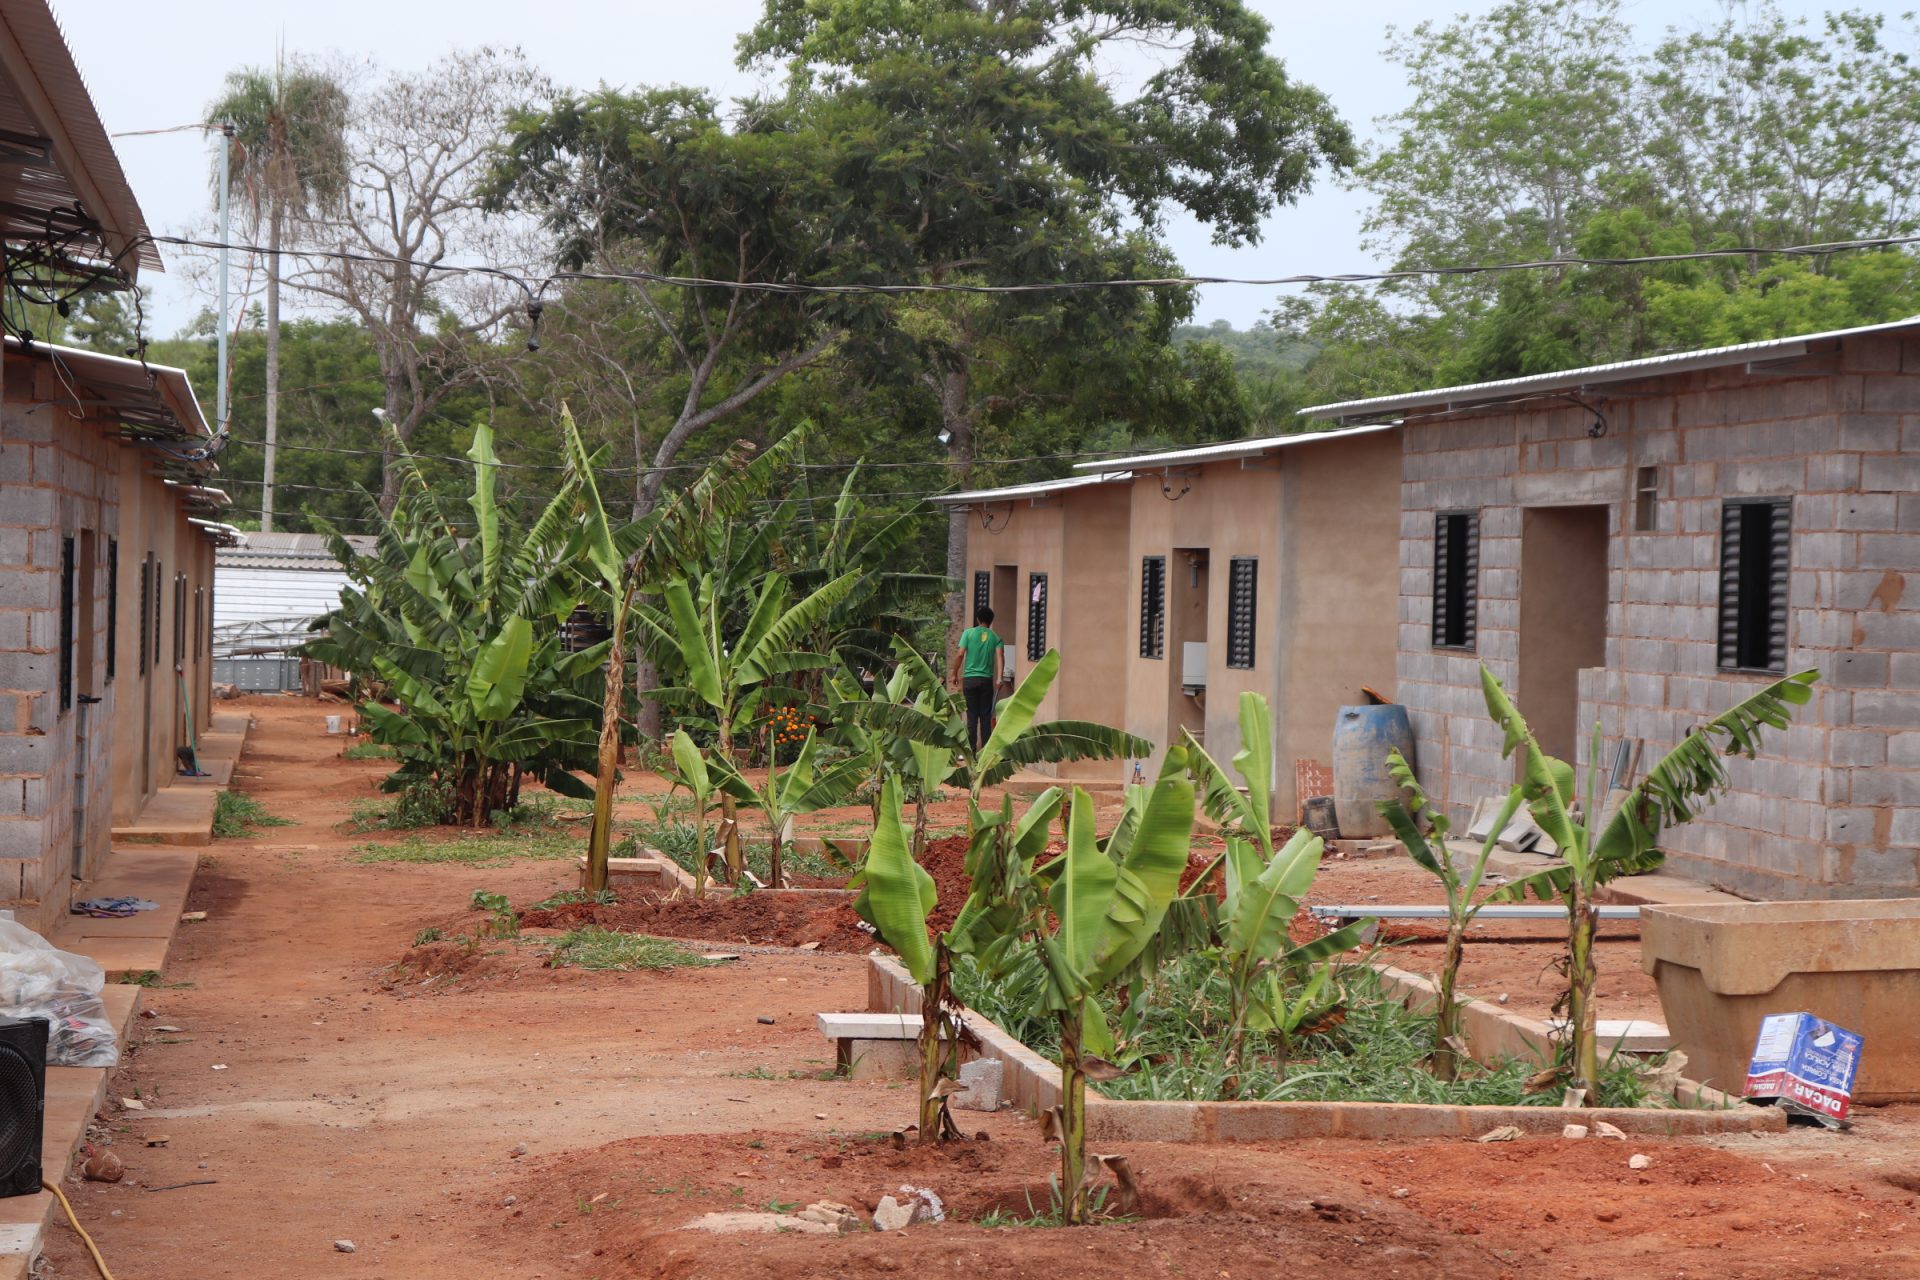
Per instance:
{"type": "Point", "coordinates": [980, 644]}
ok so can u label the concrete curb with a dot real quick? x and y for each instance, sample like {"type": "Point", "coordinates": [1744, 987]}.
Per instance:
{"type": "Point", "coordinates": [1032, 1083]}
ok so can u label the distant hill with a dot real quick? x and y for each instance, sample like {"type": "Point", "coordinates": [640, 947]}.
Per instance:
{"type": "Point", "coordinates": [1258, 353]}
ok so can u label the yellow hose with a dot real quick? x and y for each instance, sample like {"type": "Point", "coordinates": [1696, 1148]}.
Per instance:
{"type": "Point", "coordinates": [92, 1248]}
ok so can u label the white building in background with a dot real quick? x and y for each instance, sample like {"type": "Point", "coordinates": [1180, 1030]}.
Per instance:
{"type": "Point", "coordinates": [267, 593]}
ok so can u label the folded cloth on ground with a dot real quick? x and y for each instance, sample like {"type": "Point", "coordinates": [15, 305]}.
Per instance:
{"type": "Point", "coordinates": [104, 908]}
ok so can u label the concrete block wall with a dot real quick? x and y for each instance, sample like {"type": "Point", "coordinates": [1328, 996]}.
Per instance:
{"type": "Point", "coordinates": [57, 479]}
{"type": "Point", "coordinates": [1832, 807]}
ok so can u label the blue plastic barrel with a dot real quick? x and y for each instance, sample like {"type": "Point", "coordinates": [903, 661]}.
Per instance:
{"type": "Point", "coordinates": [1362, 737]}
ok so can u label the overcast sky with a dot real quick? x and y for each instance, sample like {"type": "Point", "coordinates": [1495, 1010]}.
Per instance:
{"type": "Point", "coordinates": [153, 66]}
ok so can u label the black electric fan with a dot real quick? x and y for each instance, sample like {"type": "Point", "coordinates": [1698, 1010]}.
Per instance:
{"type": "Point", "coordinates": [23, 1103]}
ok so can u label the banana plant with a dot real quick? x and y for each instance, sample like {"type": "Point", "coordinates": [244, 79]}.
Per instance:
{"type": "Point", "coordinates": [939, 724]}
{"type": "Point", "coordinates": [923, 767]}
{"type": "Point", "coordinates": [1423, 829]}
{"type": "Point", "coordinates": [464, 636]}
{"type": "Point", "coordinates": [1086, 915]}
{"type": "Point", "coordinates": [1673, 791]}
{"type": "Point", "coordinates": [897, 897]}
{"type": "Point", "coordinates": [801, 788]}
{"type": "Point", "coordinates": [690, 771]}
{"type": "Point", "coordinates": [1272, 984]}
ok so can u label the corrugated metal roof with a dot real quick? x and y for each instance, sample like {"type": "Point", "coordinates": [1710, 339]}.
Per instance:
{"type": "Point", "coordinates": [1618, 371]}
{"type": "Point", "coordinates": [302, 553]}
{"type": "Point", "coordinates": [252, 593]}
{"type": "Point", "coordinates": [1038, 489]}
{"type": "Point", "coordinates": [1232, 449]}
{"type": "Point", "coordinates": [68, 176]}
{"type": "Point", "coordinates": [149, 400]}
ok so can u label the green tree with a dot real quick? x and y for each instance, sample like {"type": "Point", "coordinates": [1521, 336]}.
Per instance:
{"type": "Point", "coordinates": [998, 146]}
{"type": "Point", "coordinates": [288, 162]}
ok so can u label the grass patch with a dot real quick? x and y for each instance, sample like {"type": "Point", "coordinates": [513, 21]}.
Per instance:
{"type": "Point", "coordinates": [152, 980]}
{"type": "Point", "coordinates": [596, 948]}
{"type": "Point", "coordinates": [367, 751]}
{"type": "Point", "coordinates": [678, 841]}
{"type": "Point", "coordinates": [486, 850]}
{"type": "Point", "coordinates": [570, 897]}
{"type": "Point", "coordinates": [235, 813]}
{"type": "Point", "coordinates": [1376, 1053]}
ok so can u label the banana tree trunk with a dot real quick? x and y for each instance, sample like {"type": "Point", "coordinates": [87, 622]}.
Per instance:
{"type": "Point", "coordinates": [920, 827]}
{"type": "Point", "coordinates": [730, 823]}
{"type": "Point", "coordinates": [1073, 1123]}
{"type": "Point", "coordinates": [600, 837]}
{"type": "Point", "coordinates": [1581, 979]}
{"type": "Point", "coordinates": [933, 1011]}
{"type": "Point", "coordinates": [1446, 1021]}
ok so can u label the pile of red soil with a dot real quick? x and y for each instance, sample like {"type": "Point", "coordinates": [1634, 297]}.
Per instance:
{"type": "Point", "coordinates": [763, 918]}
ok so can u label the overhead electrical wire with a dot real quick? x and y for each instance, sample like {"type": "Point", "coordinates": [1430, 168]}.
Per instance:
{"type": "Point", "coordinates": [536, 285]}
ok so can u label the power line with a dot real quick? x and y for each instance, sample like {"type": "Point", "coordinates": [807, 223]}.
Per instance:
{"type": "Point", "coordinates": [535, 286]}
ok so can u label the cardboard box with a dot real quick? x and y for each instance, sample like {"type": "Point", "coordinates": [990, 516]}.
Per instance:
{"type": "Point", "coordinates": [1807, 1063]}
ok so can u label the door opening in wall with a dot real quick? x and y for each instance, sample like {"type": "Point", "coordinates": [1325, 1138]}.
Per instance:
{"type": "Point", "coordinates": [1186, 627]}
{"type": "Point", "coordinates": [1563, 617]}
{"type": "Point", "coordinates": [1007, 602]}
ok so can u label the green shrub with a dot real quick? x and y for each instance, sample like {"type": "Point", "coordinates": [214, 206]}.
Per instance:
{"type": "Point", "coordinates": [596, 948]}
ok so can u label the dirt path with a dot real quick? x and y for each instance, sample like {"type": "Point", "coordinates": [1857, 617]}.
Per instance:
{"type": "Point", "coordinates": [355, 1106]}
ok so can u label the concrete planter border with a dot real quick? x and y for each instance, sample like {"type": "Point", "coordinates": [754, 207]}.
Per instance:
{"type": "Point", "coordinates": [1032, 1083]}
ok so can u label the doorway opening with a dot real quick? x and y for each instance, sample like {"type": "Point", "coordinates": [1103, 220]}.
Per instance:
{"type": "Point", "coordinates": [1006, 604]}
{"type": "Point", "coordinates": [1563, 617]}
{"type": "Point", "coordinates": [1187, 642]}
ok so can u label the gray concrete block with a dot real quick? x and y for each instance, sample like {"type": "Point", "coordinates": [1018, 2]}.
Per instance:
{"type": "Point", "coordinates": [1857, 670]}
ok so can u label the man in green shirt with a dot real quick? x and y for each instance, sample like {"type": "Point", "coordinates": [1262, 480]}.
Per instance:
{"type": "Point", "coordinates": [976, 661]}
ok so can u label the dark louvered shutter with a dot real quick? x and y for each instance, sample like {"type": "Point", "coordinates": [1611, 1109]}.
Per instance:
{"type": "Point", "coordinates": [1779, 564]}
{"type": "Point", "coordinates": [982, 592]}
{"type": "Point", "coordinates": [1456, 579]}
{"type": "Point", "coordinates": [67, 600]}
{"type": "Point", "coordinates": [159, 586]}
{"type": "Point", "coordinates": [1153, 607]}
{"type": "Point", "coordinates": [1243, 574]}
{"type": "Point", "coordinates": [1036, 616]}
{"type": "Point", "coordinates": [113, 606]}
{"type": "Point", "coordinates": [1756, 552]}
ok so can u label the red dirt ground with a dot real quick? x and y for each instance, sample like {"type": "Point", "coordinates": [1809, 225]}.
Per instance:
{"type": "Point", "coordinates": [386, 1107]}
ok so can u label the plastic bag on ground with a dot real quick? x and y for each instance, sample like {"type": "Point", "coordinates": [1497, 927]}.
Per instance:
{"type": "Point", "coordinates": [38, 980]}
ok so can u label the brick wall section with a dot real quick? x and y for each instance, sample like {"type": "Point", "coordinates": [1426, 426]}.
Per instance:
{"type": "Point", "coordinates": [57, 478]}
{"type": "Point", "coordinates": [1832, 808]}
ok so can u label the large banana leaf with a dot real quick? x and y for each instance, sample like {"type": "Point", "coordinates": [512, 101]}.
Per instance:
{"type": "Point", "coordinates": [1254, 762]}
{"type": "Point", "coordinates": [1263, 906]}
{"type": "Point", "coordinates": [780, 635]}
{"type": "Point", "coordinates": [486, 514]}
{"type": "Point", "coordinates": [1546, 783]}
{"type": "Point", "coordinates": [1691, 775]}
{"type": "Point", "coordinates": [600, 549]}
{"type": "Point", "coordinates": [499, 676]}
{"type": "Point", "coordinates": [691, 636]}
{"type": "Point", "coordinates": [897, 895]}
{"type": "Point", "coordinates": [1148, 878]}
{"type": "Point", "coordinates": [1083, 890]}
{"type": "Point", "coordinates": [1058, 741]}
{"type": "Point", "coordinates": [1017, 713]}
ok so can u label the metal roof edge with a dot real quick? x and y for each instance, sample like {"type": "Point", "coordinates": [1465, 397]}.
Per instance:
{"type": "Point", "coordinates": [1233, 449]}
{"type": "Point", "coordinates": [1035, 489]}
{"type": "Point", "coordinates": [1472, 393]}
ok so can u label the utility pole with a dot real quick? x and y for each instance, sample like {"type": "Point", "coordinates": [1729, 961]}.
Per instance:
{"type": "Point", "coordinates": [220, 359]}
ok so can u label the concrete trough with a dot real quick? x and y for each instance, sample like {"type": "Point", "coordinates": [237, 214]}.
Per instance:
{"type": "Point", "coordinates": [1032, 1083]}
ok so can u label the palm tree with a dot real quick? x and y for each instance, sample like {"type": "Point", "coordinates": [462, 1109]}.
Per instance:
{"type": "Point", "coordinates": [289, 162]}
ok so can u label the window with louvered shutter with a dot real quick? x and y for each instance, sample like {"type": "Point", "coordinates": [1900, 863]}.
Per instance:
{"type": "Point", "coordinates": [1755, 558]}
{"type": "Point", "coordinates": [982, 593]}
{"type": "Point", "coordinates": [1036, 616]}
{"type": "Point", "coordinates": [113, 606]}
{"type": "Point", "coordinates": [1456, 579]}
{"type": "Point", "coordinates": [1153, 607]}
{"type": "Point", "coordinates": [67, 605]}
{"type": "Point", "coordinates": [1243, 581]}
{"type": "Point", "coordinates": [159, 586]}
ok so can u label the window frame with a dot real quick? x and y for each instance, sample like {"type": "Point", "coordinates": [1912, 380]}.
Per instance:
{"type": "Point", "coordinates": [1153, 607]}
{"type": "Point", "coordinates": [1243, 645]}
{"type": "Point", "coordinates": [113, 607]}
{"type": "Point", "coordinates": [69, 615]}
{"type": "Point", "coordinates": [1037, 615]}
{"type": "Point", "coordinates": [1446, 574]}
{"type": "Point", "coordinates": [1739, 572]}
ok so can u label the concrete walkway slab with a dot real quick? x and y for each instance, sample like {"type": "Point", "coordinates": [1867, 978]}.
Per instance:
{"type": "Point", "coordinates": [175, 815]}
{"type": "Point", "coordinates": [139, 942]}
{"type": "Point", "coordinates": [73, 1095]}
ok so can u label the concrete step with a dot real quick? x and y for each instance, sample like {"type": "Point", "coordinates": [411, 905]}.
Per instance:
{"type": "Point", "coordinates": [175, 815]}
{"type": "Point", "coordinates": [139, 942]}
